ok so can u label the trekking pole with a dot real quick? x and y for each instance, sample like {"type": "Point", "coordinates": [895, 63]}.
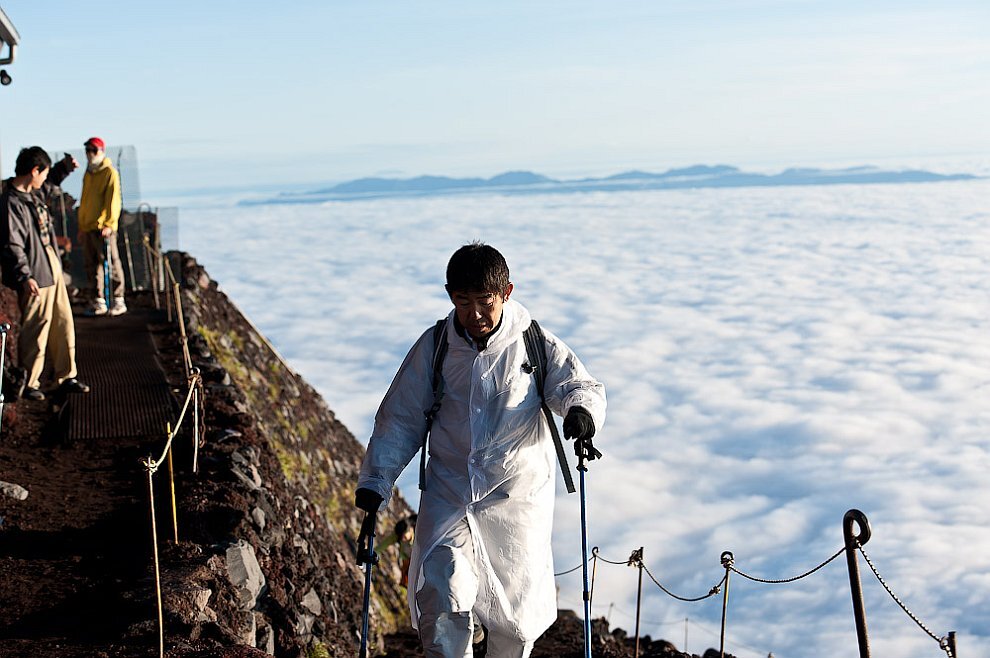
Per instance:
{"type": "Point", "coordinates": [582, 469]}
{"type": "Point", "coordinates": [366, 556]}
{"type": "Point", "coordinates": [107, 279]}
{"type": "Point", "coordinates": [4, 328]}
{"type": "Point", "coordinates": [130, 259]}
{"type": "Point", "coordinates": [65, 217]}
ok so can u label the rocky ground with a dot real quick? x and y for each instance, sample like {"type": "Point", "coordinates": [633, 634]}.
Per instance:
{"type": "Point", "coordinates": [74, 578]}
{"type": "Point", "coordinates": [265, 562]}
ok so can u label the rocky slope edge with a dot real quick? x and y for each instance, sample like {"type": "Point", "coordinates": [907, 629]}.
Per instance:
{"type": "Point", "coordinates": [267, 526]}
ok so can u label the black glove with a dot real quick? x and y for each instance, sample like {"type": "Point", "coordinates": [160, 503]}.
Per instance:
{"type": "Point", "coordinates": [578, 424]}
{"type": "Point", "coordinates": [367, 500]}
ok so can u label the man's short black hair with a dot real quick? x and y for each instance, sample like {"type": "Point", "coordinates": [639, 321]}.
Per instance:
{"type": "Point", "coordinates": [29, 158]}
{"type": "Point", "coordinates": [477, 267]}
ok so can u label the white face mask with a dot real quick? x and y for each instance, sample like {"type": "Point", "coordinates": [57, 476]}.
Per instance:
{"type": "Point", "coordinates": [95, 159]}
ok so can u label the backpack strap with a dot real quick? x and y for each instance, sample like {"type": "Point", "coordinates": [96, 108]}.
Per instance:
{"type": "Point", "coordinates": [536, 352]}
{"type": "Point", "coordinates": [439, 353]}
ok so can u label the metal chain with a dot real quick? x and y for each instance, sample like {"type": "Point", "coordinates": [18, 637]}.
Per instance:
{"type": "Point", "coordinates": [564, 573]}
{"type": "Point", "coordinates": [712, 592]}
{"type": "Point", "coordinates": [788, 580]}
{"type": "Point", "coordinates": [943, 642]}
{"type": "Point", "coordinates": [624, 563]}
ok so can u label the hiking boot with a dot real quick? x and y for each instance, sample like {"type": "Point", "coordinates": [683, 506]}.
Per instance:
{"type": "Point", "coordinates": [119, 307]}
{"type": "Point", "coordinates": [73, 385]}
{"type": "Point", "coordinates": [33, 394]}
{"type": "Point", "coordinates": [99, 307]}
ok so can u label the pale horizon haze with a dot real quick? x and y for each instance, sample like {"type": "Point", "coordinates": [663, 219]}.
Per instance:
{"type": "Point", "coordinates": [254, 95]}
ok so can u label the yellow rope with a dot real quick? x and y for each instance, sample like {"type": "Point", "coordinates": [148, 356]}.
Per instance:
{"type": "Point", "coordinates": [153, 465]}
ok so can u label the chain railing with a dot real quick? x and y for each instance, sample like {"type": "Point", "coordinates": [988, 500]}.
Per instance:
{"type": "Point", "coordinates": [946, 643]}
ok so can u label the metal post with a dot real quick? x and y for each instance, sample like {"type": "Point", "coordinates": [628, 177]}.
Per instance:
{"type": "Point", "coordinates": [171, 482]}
{"type": "Point", "coordinates": [594, 570]}
{"type": "Point", "coordinates": [637, 558]}
{"type": "Point", "coordinates": [4, 328]}
{"type": "Point", "coordinates": [152, 275]}
{"type": "Point", "coordinates": [168, 302]}
{"type": "Point", "coordinates": [727, 561]}
{"type": "Point", "coordinates": [65, 218]}
{"type": "Point", "coordinates": [195, 383]}
{"type": "Point", "coordinates": [158, 250]}
{"type": "Point", "coordinates": [186, 356]}
{"type": "Point", "coordinates": [130, 260]}
{"type": "Point", "coordinates": [852, 543]}
{"type": "Point", "coordinates": [154, 544]}
{"type": "Point", "coordinates": [952, 644]}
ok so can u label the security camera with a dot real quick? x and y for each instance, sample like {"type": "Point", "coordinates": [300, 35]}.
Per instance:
{"type": "Point", "coordinates": [10, 37]}
{"type": "Point", "coordinates": [5, 78]}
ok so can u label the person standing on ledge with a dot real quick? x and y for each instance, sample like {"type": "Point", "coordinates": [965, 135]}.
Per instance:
{"type": "Point", "coordinates": [99, 212]}
{"type": "Point", "coordinates": [31, 266]}
{"type": "Point", "coordinates": [482, 551]}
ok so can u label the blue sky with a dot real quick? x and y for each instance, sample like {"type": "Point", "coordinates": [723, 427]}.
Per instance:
{"type": "Point", "coordinates": [242, 94]}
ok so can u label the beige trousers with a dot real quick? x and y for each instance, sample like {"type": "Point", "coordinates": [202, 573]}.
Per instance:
{"type": "Point", "coordinates": [47, 328]}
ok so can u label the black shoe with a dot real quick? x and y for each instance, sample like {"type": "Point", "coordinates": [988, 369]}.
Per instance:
{"type": "Point", "coordinates": [33, 394]}
{"type": "Point", "coordinates": [74, 386]}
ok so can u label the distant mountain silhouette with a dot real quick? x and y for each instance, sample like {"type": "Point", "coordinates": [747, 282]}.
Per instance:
{"type": "Point", "coordinates": [527, 182]}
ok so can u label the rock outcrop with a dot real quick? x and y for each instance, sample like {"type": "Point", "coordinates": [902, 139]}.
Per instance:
{"type": "Point", "coordinates": [266, 556]}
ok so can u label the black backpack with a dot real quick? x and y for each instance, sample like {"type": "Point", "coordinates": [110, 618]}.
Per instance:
{"type": "Point", "coordinates": [536, 353]}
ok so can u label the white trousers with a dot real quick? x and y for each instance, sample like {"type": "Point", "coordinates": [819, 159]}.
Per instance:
{"type": "Point", "coordinates": [446, 599]}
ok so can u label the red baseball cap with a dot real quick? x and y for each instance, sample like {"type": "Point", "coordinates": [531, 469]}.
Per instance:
{"type": "Point", "coordinates": [97, 142]}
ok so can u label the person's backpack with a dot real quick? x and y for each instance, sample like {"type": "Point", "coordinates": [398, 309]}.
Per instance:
{"type": "Point", "coordinates": [536, 354]}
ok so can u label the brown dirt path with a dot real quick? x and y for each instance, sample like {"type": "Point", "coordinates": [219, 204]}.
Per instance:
{"type": "Point", "coordinates": [75, 569]}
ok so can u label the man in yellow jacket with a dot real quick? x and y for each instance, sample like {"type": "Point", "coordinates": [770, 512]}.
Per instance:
{"type": "Point", "coordinates": [99, 212]}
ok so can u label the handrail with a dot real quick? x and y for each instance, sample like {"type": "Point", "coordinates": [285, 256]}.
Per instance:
{"type": "Point", "coordinates": [854, 543]}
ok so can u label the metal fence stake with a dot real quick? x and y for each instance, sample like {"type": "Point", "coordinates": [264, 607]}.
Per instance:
{"type": "Point", "coordinates": [154, 545]}
{"type": "Point", "coordinates": [171, 482]}
{"type": "Point", "coordinates": [637, 559]}
{"type": "Point", "coordinates": [853, 541]}
{"type": "Point", "coordinates": [727, 561]}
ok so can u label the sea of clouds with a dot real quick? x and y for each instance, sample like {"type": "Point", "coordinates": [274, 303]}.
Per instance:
{"type": "Point", "coordinates": [773, 358]}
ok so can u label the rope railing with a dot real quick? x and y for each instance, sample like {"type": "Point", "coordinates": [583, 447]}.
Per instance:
{"type": "Point", "coordinates": [946, 643]}
{"type": "Point", "coordinates": [193, 397]}
{"type": "Point", "coordinates": [162, 275]}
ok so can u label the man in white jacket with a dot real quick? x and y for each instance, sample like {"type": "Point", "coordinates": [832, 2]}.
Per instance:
{"type": "Point", "coordinates": [482, 551]}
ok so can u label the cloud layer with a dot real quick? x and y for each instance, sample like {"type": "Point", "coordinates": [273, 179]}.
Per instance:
{"type": "Point", "coordinates": [773, 358]}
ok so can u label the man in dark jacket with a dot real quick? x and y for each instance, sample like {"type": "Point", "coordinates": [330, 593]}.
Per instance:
{"type": "Point", "coordinates": [31, 266]}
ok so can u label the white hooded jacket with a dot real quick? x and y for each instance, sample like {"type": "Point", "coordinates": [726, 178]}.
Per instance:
{"type": "Point", "coordinates": [492, 461]}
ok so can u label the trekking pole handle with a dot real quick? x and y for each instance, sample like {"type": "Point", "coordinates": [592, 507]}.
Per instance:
{"type": "Point", "coordinates": [366, 540]}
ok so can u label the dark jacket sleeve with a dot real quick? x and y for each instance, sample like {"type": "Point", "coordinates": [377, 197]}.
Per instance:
{"type": "Point", "coordinates": [15, 222]}
{"type": "Point", "coordinates": [58, 174]}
